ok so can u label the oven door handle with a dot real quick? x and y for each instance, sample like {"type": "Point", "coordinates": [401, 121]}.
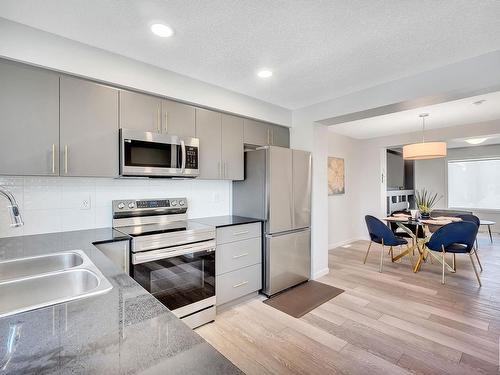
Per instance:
{"type": "Point", "coordinates": [183, 163]}
{"type": "Point", "coordinates": [170, 252]}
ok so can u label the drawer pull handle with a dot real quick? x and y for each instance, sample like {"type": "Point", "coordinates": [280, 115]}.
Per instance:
{"type": "Point", "coordinates": [240, 256]}
{"type": "Point", "coordinates": [241, 233]}
{"type": "Point", "coordinates": [240, 284]}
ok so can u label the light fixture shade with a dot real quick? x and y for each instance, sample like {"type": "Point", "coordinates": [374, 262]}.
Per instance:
{"type": "Point", "coordinates": [424, 150]}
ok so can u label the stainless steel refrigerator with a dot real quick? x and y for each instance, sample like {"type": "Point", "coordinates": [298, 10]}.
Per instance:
{"type": "Point", "coordinates": [277, 189]}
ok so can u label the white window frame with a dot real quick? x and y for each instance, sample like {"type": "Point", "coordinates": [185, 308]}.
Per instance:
{"type": "Point", "coordinates": [474, 209]}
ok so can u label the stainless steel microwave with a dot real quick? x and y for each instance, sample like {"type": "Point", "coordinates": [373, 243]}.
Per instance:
{"type": "Point", "coordinates": [158, 155]}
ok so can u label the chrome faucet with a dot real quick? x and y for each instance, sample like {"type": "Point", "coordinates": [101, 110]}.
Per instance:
{"type": "Point", "coordinates": [15, 215]}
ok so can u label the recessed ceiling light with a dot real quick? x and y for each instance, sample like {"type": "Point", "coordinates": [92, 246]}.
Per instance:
{"type": "Point", "coordinates": [162, 30]}
{"type": "Point", "coordinates": [475, 141]}
{"type": "Point", "coordinates": [479, 102]}
{"type": "Point", "coordinates": [265, 73]}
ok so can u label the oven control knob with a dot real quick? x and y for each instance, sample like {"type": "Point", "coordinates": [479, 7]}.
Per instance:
{"type": "Point", "coordinates": [131, 205]}
{"type": "Point", "coordinates": [173, 203]}
{"type": "Point", "coordinates": [182, 203]}
{"type": "Point", "coordinates": [121, 205]}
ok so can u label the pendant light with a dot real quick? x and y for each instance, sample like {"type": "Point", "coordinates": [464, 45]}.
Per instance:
{"type": "Point", "coordinates": [424, 150]}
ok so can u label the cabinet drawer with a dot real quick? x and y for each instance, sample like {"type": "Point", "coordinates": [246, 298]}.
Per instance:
{"type": "Point", "coordinates": [234, 255]}
{"type": "Point", "coordinates": [236, 284]}
{"type": "Point", "coordinates": [238, 232]}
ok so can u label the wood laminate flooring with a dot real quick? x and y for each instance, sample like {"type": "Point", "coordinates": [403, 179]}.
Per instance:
{"type": "Point", "coordinates": [395, 322]}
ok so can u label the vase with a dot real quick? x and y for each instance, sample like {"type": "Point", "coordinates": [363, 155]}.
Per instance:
{"type": "Point", "coordinates": [425, 215]}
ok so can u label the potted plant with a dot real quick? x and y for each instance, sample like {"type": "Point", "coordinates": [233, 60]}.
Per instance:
{"type": "Point", "coordinates": [425, 201]}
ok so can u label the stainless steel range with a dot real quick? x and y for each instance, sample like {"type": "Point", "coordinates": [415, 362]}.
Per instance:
{"type": "Point", "coordinates": [172, 258]}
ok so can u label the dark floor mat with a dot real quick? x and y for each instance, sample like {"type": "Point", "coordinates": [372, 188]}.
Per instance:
{"type": "Point", "coordinates": [303, 298]}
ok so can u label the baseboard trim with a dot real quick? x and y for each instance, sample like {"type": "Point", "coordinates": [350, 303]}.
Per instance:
{"type": "Point", "coordinates": [320, 273]}
{"type": "Point", "coordinates": [342, 243]}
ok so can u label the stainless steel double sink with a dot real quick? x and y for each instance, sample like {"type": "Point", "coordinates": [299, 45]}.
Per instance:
{"type": "Point", "coordinates": [35, 282]}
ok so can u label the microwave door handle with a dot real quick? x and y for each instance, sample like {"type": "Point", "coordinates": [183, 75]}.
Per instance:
{"type": "Point", "coordinates": [183, 163]}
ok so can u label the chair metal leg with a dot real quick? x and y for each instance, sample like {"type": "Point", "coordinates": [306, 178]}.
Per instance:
{"type": "Point", "coordinates": [478, 261]}
{"type": "Point", "coordinates": [475, 269]}
{"type": "Point", "coordinates": [382, 257]}
{"type": "Point", "coordinates": [367, 251]}
{"type": "Point", "coordinates": [454, 264]}
{"type": "Point", "coordinates": [444, 262]}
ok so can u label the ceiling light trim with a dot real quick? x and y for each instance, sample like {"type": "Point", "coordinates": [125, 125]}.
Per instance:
{"type": "Point", "coordinates": [265, 73]}
{"type": "Point", "coordinates": [162, 30]}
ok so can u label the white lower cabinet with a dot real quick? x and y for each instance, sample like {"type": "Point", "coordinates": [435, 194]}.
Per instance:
{"type": "Point", "coordinates": [236, 284]}
{"type": "Point", "coordinates": [238, 262]}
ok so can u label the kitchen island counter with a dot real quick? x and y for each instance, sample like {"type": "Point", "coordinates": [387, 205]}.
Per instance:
{"type": "Point", "coordinates": [125, 330]}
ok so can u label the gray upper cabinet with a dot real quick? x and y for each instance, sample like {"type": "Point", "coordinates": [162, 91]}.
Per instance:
{"type": "Point", "coordinates": [232, 148]}
{"type": "Point", "coordinates": [280, 136]}
{"type": "Point", "coordinates": [178, 119]}
{"type": "Point", "coordinates": [29, 120]}
{"type": "Point", "coordinates": [256, 133]}
{"type": "Point", "coordinates": [88, 129]}
{"type": "Point", "coordinates": [260, 133]}
{"type": "Point", "coordinates": [140, 112]}
{"type": "Point", "coordinates": [208, 130]}
{"type": "Point", "coordinates": [221, 145]}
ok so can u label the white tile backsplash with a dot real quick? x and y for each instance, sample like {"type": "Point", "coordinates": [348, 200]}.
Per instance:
{"type": "Point", "coordinates": [52, 204]}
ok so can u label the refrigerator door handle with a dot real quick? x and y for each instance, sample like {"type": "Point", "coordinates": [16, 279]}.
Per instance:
{"type": "Point", "coordinates": [278, 234]}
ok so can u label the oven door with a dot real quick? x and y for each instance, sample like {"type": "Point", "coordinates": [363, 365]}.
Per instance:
{"type": "Point", "coordinates": [181, 277]}
{"type": "Point", "coordinates": [157, 155]}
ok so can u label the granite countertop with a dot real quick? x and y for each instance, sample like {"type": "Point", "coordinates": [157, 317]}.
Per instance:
{"type": "Point", "coordinates": [225, 221]}
{"type": "Point", "coordinates": [123, 331]}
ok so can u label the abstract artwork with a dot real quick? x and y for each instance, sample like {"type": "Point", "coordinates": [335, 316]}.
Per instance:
{"type": "Point", "coordinates": [336, 176]}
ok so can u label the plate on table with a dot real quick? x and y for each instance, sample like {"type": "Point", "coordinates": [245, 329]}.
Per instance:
{"type": "Point", "coordinates": [402, 215]}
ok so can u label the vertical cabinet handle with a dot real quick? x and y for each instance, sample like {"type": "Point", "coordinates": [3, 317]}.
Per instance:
{"type": "Point", "coordinates": [53, 158]}
{"type": "Point", "coordinates": [268, 135]}
{"type": "Point", "coordinates": [219, 169]}
{"type": "Point", "coordinates": [166, 122]}
{"type": "Point", "coordinates": [272, 137]}
{"type": "Point", "coordinates": [158, 119]}
{"type": "Point", "coordinates": [66, 159]}
{"type": "Point", "coordinates": [225, 170]}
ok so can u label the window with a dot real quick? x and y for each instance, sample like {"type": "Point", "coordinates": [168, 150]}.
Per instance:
{"type": "Point", "coordinates": [474, 184]}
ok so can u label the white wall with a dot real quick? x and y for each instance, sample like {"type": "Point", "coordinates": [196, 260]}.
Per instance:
{"type": "Point", "coordinates": [454, 81]}
{"type": "Point", "coordinates": [308, 136]}
{"type": "Point", "coordinates": [433, 174]}
{"type": "Point", "coordinates": [371, 154]}
{"type": "Point", "coordinates": [52, 204]}
{"type": "Point", "coordinates": [343, 209]}
{"type": "Point", "coordinates": [26, 44]}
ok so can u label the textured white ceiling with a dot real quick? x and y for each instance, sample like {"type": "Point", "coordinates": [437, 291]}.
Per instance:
{"type": "Point", "coordinates": [318, 49]}
{"type": "Point", "coordinates": [443, 115]}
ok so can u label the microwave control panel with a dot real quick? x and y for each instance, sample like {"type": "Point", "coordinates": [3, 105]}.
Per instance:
{"type": "Point", "coordinates": [191, 157]}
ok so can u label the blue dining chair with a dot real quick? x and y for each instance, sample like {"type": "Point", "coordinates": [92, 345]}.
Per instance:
{"type": "Point", "coordinates": [381, 234]}
{"type": "Point", "coordinates": [455, 238]}
{"type": "Point", "coordinates": [473, 219]}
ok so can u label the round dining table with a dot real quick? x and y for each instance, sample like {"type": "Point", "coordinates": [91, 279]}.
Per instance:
{"type": "Point", "coordinates": [419, 238]}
